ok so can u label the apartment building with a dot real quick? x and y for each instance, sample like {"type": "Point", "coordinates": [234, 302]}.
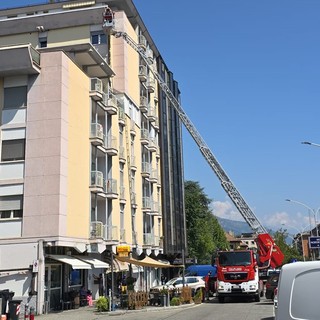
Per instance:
{"type": "Point", "coordinates": [91, 152]}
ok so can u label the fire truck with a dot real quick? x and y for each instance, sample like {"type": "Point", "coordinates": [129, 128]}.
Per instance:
{"type": "Point", "coordinates": [234, 278]}
{"type": "Point", "coordinates": [240, 272]}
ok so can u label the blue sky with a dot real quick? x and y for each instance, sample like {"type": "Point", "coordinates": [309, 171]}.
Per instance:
{"type": "Point", "coordinates": [249, 75]}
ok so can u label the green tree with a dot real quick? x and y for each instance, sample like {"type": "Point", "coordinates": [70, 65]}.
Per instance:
{"type": "Point", "coordinates": [204, 234]}
{"type": "Point", "coordinates": [290, 252]}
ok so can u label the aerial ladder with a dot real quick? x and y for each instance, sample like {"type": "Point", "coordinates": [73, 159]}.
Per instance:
{"type": "Point", "coordinates": [269, 253]}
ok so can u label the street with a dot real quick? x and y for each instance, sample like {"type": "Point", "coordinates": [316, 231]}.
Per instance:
{"type": "Point", "coordinates": [212, 310]}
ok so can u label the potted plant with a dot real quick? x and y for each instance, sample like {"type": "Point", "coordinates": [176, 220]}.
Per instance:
{"type": "Point", "coordinates": [163, 296]}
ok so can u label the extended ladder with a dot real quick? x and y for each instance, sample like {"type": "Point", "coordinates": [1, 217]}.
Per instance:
{"type": "Point", "coordinates": [226, 183]}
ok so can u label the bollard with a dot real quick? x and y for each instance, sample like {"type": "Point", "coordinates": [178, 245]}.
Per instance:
{"type": "Point", "coordinates": [31, 313]}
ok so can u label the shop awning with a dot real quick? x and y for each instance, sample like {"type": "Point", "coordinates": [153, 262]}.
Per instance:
{"type": "Point", "coordinates": [96, 263]}
{"type": "Point", "coordinates": [72, 261]}
{"type": "Point", "coordinates": [146, 262]}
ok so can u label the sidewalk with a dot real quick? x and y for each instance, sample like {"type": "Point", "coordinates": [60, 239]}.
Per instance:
{"type": "Point", "coordinates": [90, 313]}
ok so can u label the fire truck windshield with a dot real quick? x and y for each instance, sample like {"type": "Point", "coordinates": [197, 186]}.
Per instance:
{"type": "Point", "coordinates": [235, 258]}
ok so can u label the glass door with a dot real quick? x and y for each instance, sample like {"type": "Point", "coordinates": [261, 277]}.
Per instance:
{"type": "Point", "coordinates": [53, 286]}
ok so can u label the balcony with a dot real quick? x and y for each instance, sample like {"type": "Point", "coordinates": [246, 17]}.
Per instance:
{"type": "Point", "coordinates": [96, 230]}
{"type": "Point", "coordinates": [144, 139]}
{"type": "Point", "coordinates": [111, 233]}
{"type": "Point", "coordinates": [110, 145]}
{"type": "Point", "coordinates": [153, 178]}
{"type": "Point", "coordinates": [96, 184]}
{"type": "Point", "coordinates": [133, 200]}
{"type": "Point", "coordinates": [122, 196]}
{"type": "Point", "coordinates": [156, 124]}
{"type": "Point", "coordinates": [149, 55]}
{"type": "Point", "coordinates": [132, 128]}
{"type": "Point", "coordinates": [122, 154]}
{"type": "Point", "coordinates": [146, 203]}
{"type": "Point", "coordinates": [152, 115]}
{"type": "Point", "coordinates": [122, 117]}
{"type": "Point", "coordinates": [96, 134]}
{"type": "Point", "coordinates": [154, 208]}
{"type": "Point", "coordinates": [123, 236]}
{"type": "Point", "coordinates": [144, 104]}
{"type": "Point", "coordinates": [133, 163]}
{"type": "Point", "coordinates": [145, 169]}
{"type": "Point", "coordinates": [134, 237]}
{"type": "Point", "coordinates": [96, 90]}
{"type": "Point", "coordinates": [143, 73]}
{"type": "Point", "coordinates": [142, 42]}
{"type": "Point", "coordinates": [148, 239]}
{"type": "Point", "coordinates": [109, 102]}
{"type": "Point", "coordinates": [111, 189]}
{"type": "Point", "coordinates": [151, 84]}
{"type": "Point", "coordinates": [152, 146]}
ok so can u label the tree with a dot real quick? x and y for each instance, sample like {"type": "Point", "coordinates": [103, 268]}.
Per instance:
{"type": "Point", "coordinates": [290, 253]}
{"type": "Point", "coordinates": [204, 234]}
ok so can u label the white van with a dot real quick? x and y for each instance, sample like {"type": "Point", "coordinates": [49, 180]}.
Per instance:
{"type": "Point", "coordinates": [298, 295]}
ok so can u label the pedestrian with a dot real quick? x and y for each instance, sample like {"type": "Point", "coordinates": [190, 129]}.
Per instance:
{"type": "Point", "coordinates": [163, 279]}
{"type": "Point", "coordinates": [207, 284]}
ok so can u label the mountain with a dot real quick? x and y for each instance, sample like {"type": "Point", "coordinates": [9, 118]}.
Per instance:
{"type": "Point", "coordinates": [237, 227]}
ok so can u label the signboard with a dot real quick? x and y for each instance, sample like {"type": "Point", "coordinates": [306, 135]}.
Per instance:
{"type": "Point", "coordinates": [314, 242]}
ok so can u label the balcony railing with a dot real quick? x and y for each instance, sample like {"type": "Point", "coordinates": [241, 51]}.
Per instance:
{"type": "Point", "coordinates": [96, 230]}
{"type": "Point", "coordinates": [152, 114]}
{"type": "Point", "coordinates": [110, 144]}
{"type": "Point", "coordinates": [122, 154]}
{"type": "Point", "coordinates": [133, 163]}
{"type": "Point", "coordinates": [97, 179]}
{"type": "Point", "coordinates": [96, 134]}
{"type": "Point", "coordinates": [110, 103]}
{"type": "Point", "coordinates": [148, 239]}
{"type": "Point", "coordinates": [152, 146]}
{"type": "Point", "coordinates": [132, 127]}
{"type": "Point", "coordinates": [122, 116]}
{"type": "Point", "coordinates": [133, 199]}
{"type": "Point", "coordinates": [123, 235]}
{"type": "Point", "coordinates": [146, 203]}
{"type": "Point", "coordinates": [143, 73]}
{"type": "Point", "coordinates": [144, 104]}
{"type": "Point", "coordinates": [154, 176]}
{"type": "Point", "coordinates": [111, 233]}
{"type": "Point", "coordinates": [96, 89]}
{"type": "Point", "coordinates": [151, 84]}
{"type": "Point", "coordinates": [122, 193]}
{"type": "Point", "coordinates": [145, 169]}
{"type": "Point", "coordinates": [100, 231]}
{"type": "Point", "coordinates": [142, 42]}
{"type": "Point", "coordinates": [144, 136]}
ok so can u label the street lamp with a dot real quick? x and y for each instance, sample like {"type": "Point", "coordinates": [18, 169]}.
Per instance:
{"type": "Point", "coordinates": [315, 214]}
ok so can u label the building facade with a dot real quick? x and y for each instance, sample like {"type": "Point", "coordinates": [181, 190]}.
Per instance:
{"type": "Point", "coordinates": [91, 152]}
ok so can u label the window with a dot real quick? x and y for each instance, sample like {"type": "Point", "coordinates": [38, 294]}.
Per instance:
{"type": "Point", "coordinates": [98, 38]}
{"type": "Point", "coordinates": [13, 150]}
{"type": "Point", "coordinates": [43, 42]}
{"type": "Point", "coordinates": [11, 207]}
{"type": "Point", "coordinates": [15, 97]}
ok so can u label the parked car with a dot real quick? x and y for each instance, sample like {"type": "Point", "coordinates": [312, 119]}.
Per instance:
{"type": "Point", "coordinates": [271, 284]}
{"type": "Point", "coordinates": [193, 282]}
{"type": "Point", "coordinates": [297, 295]}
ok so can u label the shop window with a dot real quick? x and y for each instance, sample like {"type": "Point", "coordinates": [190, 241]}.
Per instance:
{"type": "Point", "coordinates": [75, 277]}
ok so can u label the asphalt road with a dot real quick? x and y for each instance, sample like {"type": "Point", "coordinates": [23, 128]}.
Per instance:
{"type": "Point", "coordinates": [239, 310]}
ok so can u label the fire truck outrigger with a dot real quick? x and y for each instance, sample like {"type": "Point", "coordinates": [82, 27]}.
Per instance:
{"type": "Point", "coordinates": [235, 279]}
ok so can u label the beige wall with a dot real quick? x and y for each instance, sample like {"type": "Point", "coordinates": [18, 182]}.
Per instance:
{"type": "Point", "coordinates": [125, 60]}
{"type": "Point", "coordinates": [45, 185]}
{"type": "Point", "coordinates": [20, 39]}
{"type": "Point", "coordinates": [57, 151]}
{"type": "Point", "coordinates": [78, 153]}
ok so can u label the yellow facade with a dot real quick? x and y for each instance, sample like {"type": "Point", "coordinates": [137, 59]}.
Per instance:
{"type": "Point", "coordinates": [78, 153]}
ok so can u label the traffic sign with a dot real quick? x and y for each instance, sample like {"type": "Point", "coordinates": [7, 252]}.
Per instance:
{"type": "Point", "coordinates": [314, 242]}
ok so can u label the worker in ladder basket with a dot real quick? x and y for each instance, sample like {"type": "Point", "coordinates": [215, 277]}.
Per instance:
{"type": "Point", "coordinates": [108, 16]}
